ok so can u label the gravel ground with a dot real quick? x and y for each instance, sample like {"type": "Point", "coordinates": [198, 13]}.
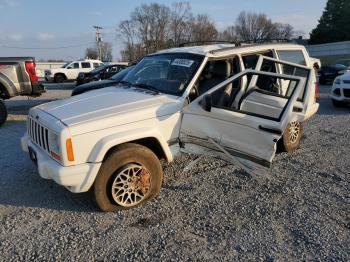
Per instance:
{"type": "Point", "coordinates": [212, 212]}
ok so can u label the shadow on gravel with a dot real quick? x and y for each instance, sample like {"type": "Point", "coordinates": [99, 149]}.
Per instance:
{"type": "Point", "coordinates": [45, 194]}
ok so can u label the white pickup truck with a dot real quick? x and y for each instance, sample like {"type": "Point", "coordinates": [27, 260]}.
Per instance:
{"type": "Point", "coordinates": [71, 70]}
{"type": "Point", "coordinates": [232, 102]}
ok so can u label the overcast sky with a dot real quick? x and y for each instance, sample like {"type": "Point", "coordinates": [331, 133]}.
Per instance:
{"type": "Point", "coordinates": [41, 24]}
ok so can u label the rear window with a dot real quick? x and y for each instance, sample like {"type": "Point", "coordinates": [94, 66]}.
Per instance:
{"type": "Point", "coordinates": [85, 65]}
{"type": "Point", "coordinates": [293, 56]}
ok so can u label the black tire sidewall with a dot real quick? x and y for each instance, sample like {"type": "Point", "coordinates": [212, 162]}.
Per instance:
{"type": "Point", "coordinates": [59, 78]}
{"type": "Point", "coordinates": [126, 154]}
{"type": "Point", "coordinates": [337, 103]}
{"type": "Point", "coordinates": [3, 113]}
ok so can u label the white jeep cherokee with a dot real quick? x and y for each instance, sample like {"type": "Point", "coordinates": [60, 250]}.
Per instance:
{"type": "Point", "coordinates": [71, 70]}
{"type": "Point", "coordinates": [233, 102]}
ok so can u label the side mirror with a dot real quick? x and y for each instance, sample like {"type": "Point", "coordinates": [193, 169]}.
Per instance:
{"type": "Point", "coordinates": [316, 66]}
{"type": "Point", "coordinates": [207, 102]}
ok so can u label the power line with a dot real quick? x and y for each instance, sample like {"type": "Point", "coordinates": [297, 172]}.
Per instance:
{"type": "Point", "coordinates": [43, 48]}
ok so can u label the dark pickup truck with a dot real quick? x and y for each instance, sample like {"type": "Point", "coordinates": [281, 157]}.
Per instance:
{"type": "Point", "coordinates": [17, 78]}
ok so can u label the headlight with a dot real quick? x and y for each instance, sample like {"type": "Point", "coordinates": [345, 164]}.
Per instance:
{"type": "Point", "coordinates": [337, 81]}
{"type": "Point", "coordinates": [54, 145]}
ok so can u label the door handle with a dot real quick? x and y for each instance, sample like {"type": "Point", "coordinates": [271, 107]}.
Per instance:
{"type": "Point", "coordinates": [270, 130]}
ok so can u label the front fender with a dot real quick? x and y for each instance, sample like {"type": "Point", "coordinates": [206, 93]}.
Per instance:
{"type": "Point", "coordinates": [102, 146]}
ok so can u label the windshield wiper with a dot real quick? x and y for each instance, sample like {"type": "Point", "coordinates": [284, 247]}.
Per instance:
{"type": "Point", "coordinates": [145, 86]}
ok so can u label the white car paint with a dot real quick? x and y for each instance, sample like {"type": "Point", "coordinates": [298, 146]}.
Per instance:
{"type": "Point", "coordinates": [341, 88]}
{"type": "Point", "coordinates": [72, 69]}
{"type": "Point", "coordinates": [99, 120]}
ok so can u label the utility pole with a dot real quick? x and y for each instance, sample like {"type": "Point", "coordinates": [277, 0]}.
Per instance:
{"type": "Point", "coordinates": [99, 40]}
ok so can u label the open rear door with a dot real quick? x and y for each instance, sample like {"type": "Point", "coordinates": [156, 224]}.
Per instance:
{"type": "Point", "coordinates": [245, 134]}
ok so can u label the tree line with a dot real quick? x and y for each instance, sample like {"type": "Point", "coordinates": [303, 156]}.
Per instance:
{"type": "Point", "coordinates": [155, 26]}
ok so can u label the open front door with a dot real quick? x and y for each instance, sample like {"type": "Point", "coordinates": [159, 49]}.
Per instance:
{"type": "Point", "coordinates": [244, 132]}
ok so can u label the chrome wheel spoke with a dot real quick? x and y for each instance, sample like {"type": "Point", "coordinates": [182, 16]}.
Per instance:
{"type": "Point", "coordinates": [131, 185]}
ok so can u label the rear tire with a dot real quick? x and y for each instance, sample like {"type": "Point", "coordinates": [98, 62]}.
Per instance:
{"type": "Point", "coordinates": [337, 103]}
{"type": "Point", "coordinates": [129, 177]}
{"type": "Point", "coordinates": [290, 141]}
{"type": "Point", "coordinates": [3, 113]}
{"type": "Point", "coordinates": [59, 78]}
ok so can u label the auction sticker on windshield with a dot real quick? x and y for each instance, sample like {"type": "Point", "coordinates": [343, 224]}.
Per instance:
{"type": "Point", "coordinates": [182, 62]}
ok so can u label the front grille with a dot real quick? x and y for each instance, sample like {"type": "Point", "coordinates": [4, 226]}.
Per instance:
{"type": "Point", "coordinates": [39, 134]}
{"type": "Point", "coordinates": [346, 92]}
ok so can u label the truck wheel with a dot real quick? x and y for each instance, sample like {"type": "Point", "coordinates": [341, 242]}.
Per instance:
{"type": "Point", "coordinates": [337, 103]}
{"type": "Point", "coordinates": [59, 78]}
{"type": "Point", "coordinates": [3, 113]}
{"type": "Point", "coordinates": [129, 177]}
{"type": "Point", "coordinates": [291, 138]}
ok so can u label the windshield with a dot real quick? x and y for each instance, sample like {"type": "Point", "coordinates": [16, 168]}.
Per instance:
{"type": "Point", "coordinates": [98, 69]}
{"type": "Point", "coordinates": [166, 73]}
{"type": "Point", "coordinates": [65, 65]}
{"type": "Point", "coordinates": [121, 74]}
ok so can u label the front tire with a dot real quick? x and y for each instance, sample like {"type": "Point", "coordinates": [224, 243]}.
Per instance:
{"type": "Point", "coordinates": [3, 113]}
{"type": "Point", "coordinates": [129, 177]}
{"type": "Point", "coordinates": [59, 78]}
{"type": "Point", "coordinates": [337, 103]}
{"type": "Point", "coordinates": [290, 141]}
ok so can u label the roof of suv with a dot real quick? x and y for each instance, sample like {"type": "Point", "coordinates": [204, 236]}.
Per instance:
{"type": "Point", "coordinates": [219, 50]}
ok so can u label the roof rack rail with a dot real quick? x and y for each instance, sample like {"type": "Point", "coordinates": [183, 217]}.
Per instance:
{"type": "Point", "coordinates": [207, 42]}
{"type": "Point", "coordinates": [268, 40]}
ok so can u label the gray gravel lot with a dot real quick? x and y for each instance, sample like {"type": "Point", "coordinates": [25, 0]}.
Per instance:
{"type": "Point", "coordinates": [212, 212]}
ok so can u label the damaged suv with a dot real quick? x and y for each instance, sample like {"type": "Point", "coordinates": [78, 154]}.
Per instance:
{"type": "Point", "coordinates": [228, 101]}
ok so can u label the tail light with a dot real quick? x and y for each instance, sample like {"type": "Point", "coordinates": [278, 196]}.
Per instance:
{"type": "Point", "coordinates": [316, 90]}
{"type": "Point", "coordinates": [30, 68]}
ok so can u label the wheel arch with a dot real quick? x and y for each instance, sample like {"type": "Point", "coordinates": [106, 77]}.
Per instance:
{"type": "Point", "coordinates": [60, 73]}
{"type": "Point", "coordinates": [7, 88]}
{"type": "Point", "coordinates": [147, 138]}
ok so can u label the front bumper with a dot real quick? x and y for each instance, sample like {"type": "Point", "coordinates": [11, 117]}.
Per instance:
{"type": "Point", "coordinates": [77, 179]}
{"type": "Point", "coordinates": [49, 78]}
{"type": "Point", "coordinates": [344, 93]}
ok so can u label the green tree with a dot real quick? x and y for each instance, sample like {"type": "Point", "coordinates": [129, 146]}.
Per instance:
{"type": "Point", "coordinates": [334, 23]}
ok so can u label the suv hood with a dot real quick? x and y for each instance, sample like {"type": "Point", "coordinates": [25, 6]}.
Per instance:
{"type": "Point", "coordinates": [111, 106]}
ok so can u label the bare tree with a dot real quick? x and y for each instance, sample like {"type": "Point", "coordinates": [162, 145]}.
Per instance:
{"type": "Point", "coordinates": [283, 31]}
{"type": "Point", "coordinates": [180, 23]}
{"type": "Point", "coordinates": [91, 52]}
{"type": "Point", "coordinates": [106, 52]}
{"type": "Point", "coordinates": [255, 27]}
{"type": "Point", "coordinates": [203, 29]}
{"type": "Point", "coordinates": [229, 34]}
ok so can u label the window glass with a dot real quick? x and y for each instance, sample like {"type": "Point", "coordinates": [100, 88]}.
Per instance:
{"type": "Point", "coordinates": [167, 73]}
{"type": "Point", "coordinates": [85, 65]}
{"type": "Point", "coordinates": [293, 56]}
{"type": "Point", "coordinates": [76, 65]}
{"type": "Point", "coordinates": [251, 60]}
{"type": "Point", "coordinates": [96, 65]}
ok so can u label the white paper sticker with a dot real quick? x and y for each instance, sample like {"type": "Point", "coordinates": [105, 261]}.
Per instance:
{"type": "Point", "coordinates": [182, 62]}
